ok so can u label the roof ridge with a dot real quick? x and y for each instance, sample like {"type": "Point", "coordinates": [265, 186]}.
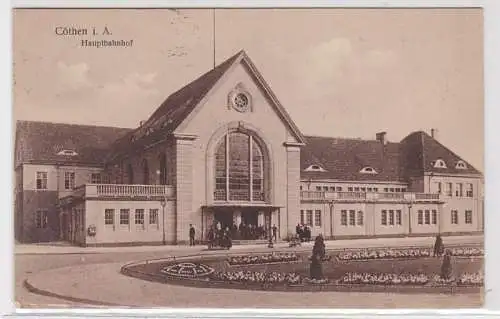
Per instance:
{"type": "Point", "coordinates": [71, 124]}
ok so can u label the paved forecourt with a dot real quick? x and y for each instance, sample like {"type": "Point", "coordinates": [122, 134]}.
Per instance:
{"type": "Point", "coordinates": [102, 284]}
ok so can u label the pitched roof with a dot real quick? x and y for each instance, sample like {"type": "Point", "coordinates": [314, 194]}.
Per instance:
{"type": "Point", "coordinates": [177, 107]}
{"type": "Point", "coordinates": [173, 110]}
{"type": "Point", "coordinates": [343, 158]}
{"type": "Point", "coordinates": [40, 142]}
{"type": "Point", "coordinates": [434, 150]}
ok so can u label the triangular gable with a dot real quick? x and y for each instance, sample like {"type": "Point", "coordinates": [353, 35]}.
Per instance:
{"type": "Point", "coordinates": [242, 57]}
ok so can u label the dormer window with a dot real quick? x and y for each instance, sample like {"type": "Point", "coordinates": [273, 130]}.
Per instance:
{"type": "Point", "coordinates": [368, 170]}
{"type": "Point", "coordinates": [439, 164]}
{"type": "Point", "coordinates": [67, 153]}
{"type": "Point", "coordinates": [315, 168]}
{"type": "Point", "coordinates": [461, 165]}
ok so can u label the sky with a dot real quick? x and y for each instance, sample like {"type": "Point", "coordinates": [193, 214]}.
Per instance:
{"type": "Point", "coordinates": [338, 72]}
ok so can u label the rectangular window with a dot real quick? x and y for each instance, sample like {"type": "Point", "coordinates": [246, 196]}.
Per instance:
{"type": "Point", "coordinates": [317, 218]}
{"type": "Point", "coordinates": [375, 189]}
{"type": "Point", "coordinates": [339, 189]}
{"type": "Point", "coordinates": [420, 217]}
{"type": "Point", "coordinates": [124, 216]}
{"type": "Point", "coordinates": [449, 189]}
{"type": "Point", "coordinates": [153, 216]}
{"type": "Point", "coordinates": [369, 189]}
{"type": "Point", "coordinates": [300, 187]}
{"type": "Point", "coordinates": [398, 217]}
{"type": "Point", "coordinates": [391, 190]}
{"type": "Point", "coordinates": [391, 217]}
{"type": "Point", "coordinates": [469, 191]}
{"type": "Point", "coordinates": [309, 218]}
{"type": "Point", "coordinates": [332, 188]}
{"type": "Point", "coordinates": [352, 218]}
{"type": "Point", "coordinates": [439, 189]}
{"type": "Point", "coordinates": [349, 189]}
{"type": "Point", "coordinates": [427, 217]}
{"type": "Point", "coordinates": [318, 188]}
{"type": "Point", "coordinates": [468, 217]}
{"type": "Point", "coordinates": [454, 217]}
{"type": "Point", "coordinates": [403, 190]}
{"type": "Point", "coordinates": [41, 218]}
{"type": "Point", "coordinates": [325, 188]}
{"type": "Point", "coordinates": [386, 190]}
{"type": "Point", "coordinates": [434, 217]}
{"type": "Point", "coordinates": [41, 180]}
{"type": "Point", "coordinates": [139, 216]}
{"type": "Point", "coordinates": [69, 180]}
{"type": "Point", "coordinates": [398, 190]}
{"type": "Point", "coordinates": [384, 217]}
{"type": "Point", "coordinates": [360, 218]}
{"type": "Point", "coordinates": [356, 189]}
{"type": "Point", "coordinates": [109, 217]}
{"type": "Point", "coordinates": [95, 178]}
{"type": "Point", "coordinates": [343, 218]}
{"type": "Point", "coordinates": [459, 191]}
{"type": "Point", "coordinates": [363, 189]}
{"type": "Point", "coordinates": [302, 218]}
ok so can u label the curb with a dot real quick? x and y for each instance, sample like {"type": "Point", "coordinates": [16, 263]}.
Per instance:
{"type": "Point", "coordinates": [47, 293]}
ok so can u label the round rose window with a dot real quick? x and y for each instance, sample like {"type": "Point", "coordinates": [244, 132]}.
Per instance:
{"type": "Point", "coordinates": [240, 102]}
{"type": "Point", "coordinates": [187, 270]}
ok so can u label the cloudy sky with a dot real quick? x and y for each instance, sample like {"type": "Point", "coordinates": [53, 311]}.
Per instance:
{"type": "Point", "coordinates": [338, 72]}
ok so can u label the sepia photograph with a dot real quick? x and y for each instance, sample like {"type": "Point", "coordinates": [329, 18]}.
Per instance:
{"type": "Point", "coordinates": [248, 158]}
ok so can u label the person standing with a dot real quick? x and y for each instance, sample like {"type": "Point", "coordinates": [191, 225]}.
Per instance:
{"type": "Point", "coordinates": [192, 233]}
{"type": "Point", "coordinates": [275, 231]}
{"type": "Point", "coordinates": [438, 246]}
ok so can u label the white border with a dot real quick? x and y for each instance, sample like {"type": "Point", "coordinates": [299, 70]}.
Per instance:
{"type": "Point", "coordinates": [492, 158]}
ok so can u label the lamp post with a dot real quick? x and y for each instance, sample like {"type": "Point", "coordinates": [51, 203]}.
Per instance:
{"type": "Point", "coordinates": [163, 203]}
{"type": "Point", "coordinates": [410, 205]}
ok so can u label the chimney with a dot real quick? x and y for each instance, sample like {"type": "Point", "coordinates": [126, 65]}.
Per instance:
{"type": "Point", "coordinates": [381, 137]}
{"type": "Point", "coordinates": [434, 133]}
{"type": "Point", "coordinates": [141, 123]}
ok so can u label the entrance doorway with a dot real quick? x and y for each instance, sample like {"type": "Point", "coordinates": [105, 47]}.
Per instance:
{"type": "Point", "coordinates": [224, 217]}
{"type": "Point", "coordinates": [250, 217]}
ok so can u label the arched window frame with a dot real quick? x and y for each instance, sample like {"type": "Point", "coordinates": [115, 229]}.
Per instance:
{"type": "Point", "coordinates": [368, 170]}
{"type": "Point", "coordinates": [461, 165]}
{"type": "Point", "coordinates": [439, 163]}
{"type": "Point", "coordinates": [228, 193]}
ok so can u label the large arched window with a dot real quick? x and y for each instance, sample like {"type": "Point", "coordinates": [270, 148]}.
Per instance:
{"type": "Point", "coordinates": [239, 168]}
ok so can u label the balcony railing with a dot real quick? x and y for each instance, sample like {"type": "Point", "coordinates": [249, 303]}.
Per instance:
{"type": "Point", "coordinates": [370, 196]}
{"type": "Point", "coordinates": [123, 190]}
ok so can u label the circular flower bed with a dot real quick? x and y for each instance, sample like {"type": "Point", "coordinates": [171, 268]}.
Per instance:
{"type": "Point", "coordinates": [262, 259]}
{"type": "Point", "coordinates": [257, 277]}
{"type": "Point", "coordinates": [467, 279]}
{"type": "Point", "coordinates": [404, 253]}
{"type": "Point", "coordinates": [187, 270]}
{"type": "Point", "coordinates": [384, 279]}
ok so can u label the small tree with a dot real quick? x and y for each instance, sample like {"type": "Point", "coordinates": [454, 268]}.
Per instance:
{"type": "Point", "coordinates": [446, 267]}
{"type": "Point", "coordinates": [319, 247]}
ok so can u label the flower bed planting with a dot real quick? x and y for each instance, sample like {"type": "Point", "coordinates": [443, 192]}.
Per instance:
{"type": "Point", "coordinates": [187, 270]}
{"type": "Point", "coordinates": [384, 279]}
{"type": "Point", "coordinates": [467, 279]}
{"type": "Point", "coordinates": [257, 277]}
{"type": "Point", "coordinates": [404, 253]}
{"type": "Point", "coordinates": [262, 259]}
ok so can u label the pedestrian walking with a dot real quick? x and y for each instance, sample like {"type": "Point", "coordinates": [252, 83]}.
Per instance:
{"type": "Point", "coordinates": [192, 233]}
{"type": "Point", "coordinates": [275, 231]}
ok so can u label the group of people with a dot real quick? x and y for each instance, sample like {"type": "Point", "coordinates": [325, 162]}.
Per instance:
{"type": "Point", "coordinates": [219, 236]}
{"type": "Point", "coordinates": [303, 232]}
